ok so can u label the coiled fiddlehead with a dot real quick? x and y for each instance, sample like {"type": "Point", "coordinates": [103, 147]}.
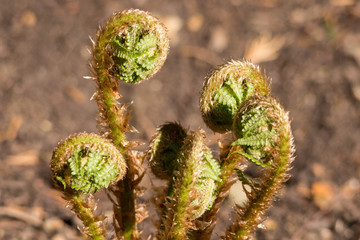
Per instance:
{"type": "Point", "coordinates": [132, 47]}
{"type": "Point", "coordinates": [82, 164]}
{"type": "Point", "coordinates": [263, 130]}
{"type": "Point", "coordinates": [86, 163]}
{"type": "Point", "coordinates": [226, 89]}
{"type": "Point", "coordinates": [165, 149]}
{"type": "Point", "coordinates": [193, 173]}
{"type": "Point", "coordinates": [236, 98]}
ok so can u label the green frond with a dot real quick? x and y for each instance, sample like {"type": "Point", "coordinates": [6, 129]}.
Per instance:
{"type": "Point", "coordinates": [121, 53]}
{"type": "Point", "coordinates": [255, 133]}
{"type": "Point", "coordinates": [237, 89]}
{"type": "Point", "coordinates": [253, 121]}
{"type": "Point", "coordinates": [210, 167]}
{"type": "Point", "coordinates": [133, 62]}
{"type": "Point", "coordinates": [91, 171]}
{"type": "Point", "coordinates": [128, 37]}
{"type": "Point", "coordinates": [86, 163]}
{"type": "Point", "coordinates": [225, 96]}
{"type": "Point", "coordinates": [226, 89]}
{"type": "Point", "coordinates": [267, 142]}
{"type": "Point", "coordinates": [253, 157]}
{"type": "Point", "coordinates": [132, 35]}
{"type": "Point", "coordinates": [147, 62]}
{"type": "Point", "coordinates": [146, 43]}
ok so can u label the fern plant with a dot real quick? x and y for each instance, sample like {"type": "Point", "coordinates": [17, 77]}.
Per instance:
{"type": "Point", "coordinates": [235, 99]}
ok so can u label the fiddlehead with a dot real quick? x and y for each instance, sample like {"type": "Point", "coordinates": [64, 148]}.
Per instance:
{"type": "Point", "coordinates": [82, 164]}
{"type": "Point", "coordinates": [223, 92]}
{"type": "Point", "coordinates": [236, 97]}
{"type": "Point", "coordinates": [225, 89]}
{"type": "Point", "coordinates": [86, 162]}
{"type": "Point", "coordinates": [270, 147]}
{"type": "Point", "coordinates": [165, 149]}
{"type": "Point", "coordinates": [131, 47]}
{"type": "Point", "coordinates": [193, 174]}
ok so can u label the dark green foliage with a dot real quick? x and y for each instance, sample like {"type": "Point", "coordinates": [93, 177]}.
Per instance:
{"type": "Point", "coordinates": [228, 98]}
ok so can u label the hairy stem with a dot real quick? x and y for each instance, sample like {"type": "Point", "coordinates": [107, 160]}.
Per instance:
{"type": "Point", "coordinates": [131, 47]}
{"type": "Point", "coordinates": [274, 177]}
{"type": "Point", "coordinates": [178, 209]}
{"type": "Point", "coordinates": [84, 211]}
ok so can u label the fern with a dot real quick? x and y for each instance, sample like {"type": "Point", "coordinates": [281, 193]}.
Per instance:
{"type": "Point", "coordinates": [235, 98]}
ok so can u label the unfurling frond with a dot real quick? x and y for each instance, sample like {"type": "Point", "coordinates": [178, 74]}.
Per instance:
{"type": "Point", "coordinates": [131, 47]}
{"type": "Point", "coordinates": [226, 89]}
{"type": "Point", "coordinates": [267, 141]}
{"type": "Point", "coordinates": [86, 163]}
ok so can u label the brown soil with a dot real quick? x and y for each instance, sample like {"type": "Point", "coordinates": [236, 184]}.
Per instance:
{"type": "Point", "coordinates": [310, 49]}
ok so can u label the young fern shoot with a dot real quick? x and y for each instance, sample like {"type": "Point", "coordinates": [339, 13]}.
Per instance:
{"type": "Point", "coordinates": [132, 47]}
{"type": "Point", "coordinates": [82, 164]}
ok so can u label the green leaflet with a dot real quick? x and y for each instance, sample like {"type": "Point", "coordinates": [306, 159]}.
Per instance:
{"type": "Point", "coordinates": [135, 54]}
{"type": "Point", "coordinates": [226, 102]}
{"type": "Point", "coordinates": [86, 162]}
{"type": "Point", "coordinates": [90, 170]}
{"type": "Point", "coordinates": [210, 167]}
{"type": "Point", "coordinates": [206, 184]}
{"type": "Point", "coordinates": [255, 132]}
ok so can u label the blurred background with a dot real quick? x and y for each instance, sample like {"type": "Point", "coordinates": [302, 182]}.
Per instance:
{"type": "Point", "coordinates": [310, 49]}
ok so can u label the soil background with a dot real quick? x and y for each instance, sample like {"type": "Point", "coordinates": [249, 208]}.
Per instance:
{"type": "Point", "coordinates": [310, 49]}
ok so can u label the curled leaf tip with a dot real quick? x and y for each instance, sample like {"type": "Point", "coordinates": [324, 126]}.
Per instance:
{"type": "Point", "coordinates": [131, 47]}
{"type": "Point", "coordinates": [86, 163]}
{"type": "Point", "coordinates": [165, 148]}
{"type": "Point", "coordinates": [226, 89]}
{"type": "Point", "coordinates": [257, 126]}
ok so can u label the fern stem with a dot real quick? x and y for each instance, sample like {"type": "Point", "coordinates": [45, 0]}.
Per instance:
{"type": "Point", "coordinates": [85, 213]}
{"type": "Point", "coordinates": [114, 115]}
{"type": "Point", "coordinates": [180, 224]}
{"type": "Point", "coordinates": [116, 119]}
{"type": "Point", "coordinates": [128, 202]}
{"type": "Point", "coordinates": [178, 209]}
